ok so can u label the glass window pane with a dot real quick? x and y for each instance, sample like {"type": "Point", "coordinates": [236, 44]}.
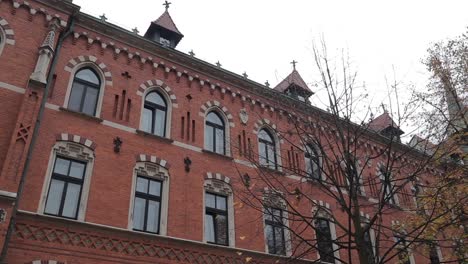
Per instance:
{"type": "Point", "coordinates": [209, 138]}
{"type": "Point", "coordinates": [147, 120]}
{"type": "Point", "coordinates": [142, 185]}
{"type": "Point", "coordinates": [221, 229]}
{"type": "Point", "coordinates": [155, 98]}
{"type": "Point", "coordinates": [271, 155]}
{"type": "Point", "coordinates": [270, 239]}
{"type": "Point", "coordinates": [152, 223]}
{"type": "Point", "coordinates": [77, 170]}
{"type": "Point", "coordinates": [54, 197]}
{"type": "Point", "coordinates": [87, 75]}
{"type": "Point", "coordinates": [71, 200]}
{"type": "Point", "coordinates": [221, 203]}
{"type": "Point", "coordinates": [61, 166]}
{"type": "Point", "coordinates": [262, 153]}
{"type": "Point", "coordinates": [210, 200]}
{"type": "Point", "coordinates": [279, 241]}
{"type": "Point", "coordinates": [155, 188]}
{"type": "Point", "coordinates": [214, 118]}
{"type": "Point", "coordinates": [139, 213]}
{"type": "Point", "coordinates": [209, 228]}
{"type": "Point", "coordinates": [219, 141]}
{"type": "Point", "coordinates": [263, 134]}
{"type": "Point", "coordinates": [74, 103]}
{"type": "Point", "coordinates": [159, 124]}
{"type": "Point", "coordinates": [90, 101]}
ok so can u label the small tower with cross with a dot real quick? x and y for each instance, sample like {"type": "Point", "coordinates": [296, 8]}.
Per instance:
{"type": "Point", "coordinates": [163, 30]}
{"type": "Point", "coordinates": [294, 86]}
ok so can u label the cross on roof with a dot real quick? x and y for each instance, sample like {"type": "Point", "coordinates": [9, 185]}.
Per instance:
{"type": "Point", "coordinates": [294, 64]}
{"type": "Point", "coordinates": [191, 53]}
{"type": "Point", "coordinates": [126, 75]}
{"type": "Point", "coordinates": [267, 84]}
{"type": "Point", "coordinates": [218, 64]}
{"type": "Point", "coordinates": [103, 17]}
{"type": "Point", "coordinates": [135, 30]}
{"type": "Point", "coordinates": [167, 4]}
{"type": "Point", "coordinates": [245, 75]}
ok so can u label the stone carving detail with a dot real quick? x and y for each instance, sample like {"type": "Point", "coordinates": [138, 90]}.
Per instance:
{"type": "Point", "coordinates": [244, 116]}
{"type": "Point", "coordinates": [23, 132]}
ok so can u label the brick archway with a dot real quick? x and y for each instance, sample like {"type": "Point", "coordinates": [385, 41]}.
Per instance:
{"type": "Point", "coordinates": [9, 33]}
{"type": "Point", "coordinates": [90, 59]}
{"type": "Point", "coordinates": [77, 139]}
{"type": "Point", "coordinates": [158, 83]}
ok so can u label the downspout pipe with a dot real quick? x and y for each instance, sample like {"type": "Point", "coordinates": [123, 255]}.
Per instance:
{"type": "Point", "coordinates": [63, 35]}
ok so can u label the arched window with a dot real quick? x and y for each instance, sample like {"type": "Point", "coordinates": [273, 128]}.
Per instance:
{"type": "Point", "coordinates": [85, 92]}
{"type": "Point", "coordinates": [155, 114]}
{"type": "Point", "coordinates": [2, 40]}
{"type": "Point", "coordinates": [312, 163]}
{"type": "Point", "coordinates": [267, 149]}
{"type": "Point", "coordinates": [215, 133]}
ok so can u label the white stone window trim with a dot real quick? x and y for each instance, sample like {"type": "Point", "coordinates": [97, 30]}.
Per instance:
{"type": "Point", "coordinates": [2, 39]}
{"type": "Point", "coordinates": [278, 204]}
{"type": "Point", "coordinates": [102, 79]}
{"type": "Point", "coordinates": [320, 154]}
{"type": "Point", "coordinates": [67, 150]}
{"type": "Point", "coordinates": [162, 174]}
{"type": "Point", "coordinates": [392, 185]}
{"type": "Point", "coordinates": [410, 252]}
{"type": "Point", "coordinates": [227, 126]}
{"type": "Point", "coordinates": [277, 140]}
{"type": "Point", "coordinates": [323, 211]}
{"type": "Point", "coordinates": [210, 186]}
{"type": "Point", "coordinates": [169, 106]}
{"type": "Point", "coordinates": [365, 222]}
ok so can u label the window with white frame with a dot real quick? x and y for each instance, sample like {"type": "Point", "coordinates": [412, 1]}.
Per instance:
{"type": "Point", "coordinates": [218, 213]}
{"type": "Point", "coordinates": [215, 133]}
{"type": "Point", "coordinates": [368, 241]}
{"type": "Point", "coordinates": [267, 149]}
{"type": "Point", "coordinates": [85, 91]}
{"type": "Point", "coordinates": [387, 187]}
{"type": "Point", "coordinates": [147, 207]}
{"type": "Point", "coordinates": [404, 254]}
{"type": "Point", "coordinates": [2, 40]}
{"type": "Point", "coordinates": [66, 188]}
{"type": "Point", "coordinates": [324, 240]}
{"type": "Point", "coordinates": [274, 231]}
{"type": "Point", "coordinates": [154, 117]}
{"type": "Point", "coordinates": [312, 162]}
{"type": "Point", "coordinates": [150, 194]}
{"type": "Point", "coordinates": [434, 254]}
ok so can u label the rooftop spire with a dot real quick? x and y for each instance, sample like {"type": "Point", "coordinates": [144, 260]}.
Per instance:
{"type": "Point", "coordinates": [167, 4]}
{"type": "Point", "coordinates": [294, 86]}
{"type": "Point", "coordinates": [294, 64]}
{"type": "Point", "coordinates": [163, 30]}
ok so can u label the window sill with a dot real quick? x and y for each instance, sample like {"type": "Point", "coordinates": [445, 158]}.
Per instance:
{"type": "Point", "coordinates": [146, 134]}
{"type": "Point", "coordinates": [270, 170]}
{"type": "Point", "coordinates": [217, 154]}
{"type": "Point", "coordinates": [80, 114]}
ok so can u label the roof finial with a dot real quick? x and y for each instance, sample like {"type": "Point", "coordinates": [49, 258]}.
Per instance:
{"type": "Point", "coordinates": [294, 64]}
{"type": "Point", "coordinates": [383, 108]}
{"type": "Point", "coordinates": [167, 4]}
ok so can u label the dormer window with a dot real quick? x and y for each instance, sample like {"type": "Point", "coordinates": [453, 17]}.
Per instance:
{"type": "Point", "coordinates": [165, 42]}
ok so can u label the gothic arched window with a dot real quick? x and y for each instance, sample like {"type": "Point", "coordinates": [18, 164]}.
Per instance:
{"type": "Point", "coordinates": [312, 163]}
{"type": "Point", "coordinates": [267, 149]}
{"type": "Point", "coordinates": [215, 130]}
{"type": "Point", "coordinates": [85, 92]}
{"type": "Point", "coordinates": [155, 114]}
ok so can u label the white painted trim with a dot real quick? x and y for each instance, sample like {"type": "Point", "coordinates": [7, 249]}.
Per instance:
{"type": "Point", "coordinates": [245, 163]}
{"type": "Point", "coordinates": [52, 106]}
{"type": "Point", "coordinates": [169, 106]}
{"type": "Point", "coordinates": [87, 177]}
{"type": "Point", "coordinates": [119, 126]}
{"type": "Point", "coordinates": [164, 196]}
{"type": "Point", "coordinates": [187, 146]}
{"type": "Point", "coordinates": [3, 39]}
{"type": "Point", "coordinates": [102, 89]}
{"type": "Point", "coordinates": [7, 194]}
{"type": "Point", "coordinates": [12, 88]}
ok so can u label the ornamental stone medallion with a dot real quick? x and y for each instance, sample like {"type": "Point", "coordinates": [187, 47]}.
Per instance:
{"type": "Point", "coordinates": [244, 117]}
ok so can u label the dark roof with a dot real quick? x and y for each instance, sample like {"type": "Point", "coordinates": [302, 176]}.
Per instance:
{"type": "Point", "coordinates": [293, 78]}
{"type": "Point", "coordinates": [382, 122]}
{"type": "Point", "coordinates": [165, 21]}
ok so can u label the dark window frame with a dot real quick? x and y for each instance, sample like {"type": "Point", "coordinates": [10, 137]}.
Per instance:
{"type": "Point", "coordinates": [275, 224]}
{"type": "Point", "coordinates": [263, 146]}
{"type": "Point", "coordinates": [387, 186]}
{"type": "Point", "coordinates": [215, 212]}
{"type": "Point", "coordinates": [153, 108]}
{"type": "Point", "coordinates": [67, 180]}
{"type": "Point", "coordinates": [148, 197]}
{"type": "Point", "coordinates": [215, 127]}
{"type": "Point", "coordinates": [324, 239]}
{"type": "Point", "coordinates": [312, 156]}
{"type": "Point", "coordinates": [87, 85]}
{"type": "Point", "coordinates": [403, 252]}
{"type": "Point", "coordinates": [370, 245]}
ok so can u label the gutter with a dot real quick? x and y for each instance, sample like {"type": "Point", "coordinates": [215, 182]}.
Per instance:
{"type": "Point", "coordinates": [63, 35]}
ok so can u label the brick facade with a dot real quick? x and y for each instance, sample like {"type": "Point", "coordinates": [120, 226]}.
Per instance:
{"type": "Point", "coordinates": [128, 66]}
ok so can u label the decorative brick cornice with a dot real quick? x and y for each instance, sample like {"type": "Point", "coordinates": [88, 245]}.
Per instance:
{"type": "Point", "coordinates": [158, 83]}
{"type": "Point", "coordinates": [9, 33]}
{"type": "Point", "coordinates": [47, 262]}
{"type": "Point", "coordinates": [153, 159]}
{"type": "Point", "coordinates": [90, 59]}
{"type": "Point", "coordinates": [37, 11]}
{"type": "Point", "coordinates": [76, 139]}
{"type": "Point", "coordinates": [206, 107]}
{"type": "Point", "coordinates": [217, 176]}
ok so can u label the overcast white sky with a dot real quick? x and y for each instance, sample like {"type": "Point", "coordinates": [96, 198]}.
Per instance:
{"type": "Point", "coordinates": [262, 37]}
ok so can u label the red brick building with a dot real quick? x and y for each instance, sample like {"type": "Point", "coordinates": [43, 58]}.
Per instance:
{"type": "Point", "coordinates": [138, 147]}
